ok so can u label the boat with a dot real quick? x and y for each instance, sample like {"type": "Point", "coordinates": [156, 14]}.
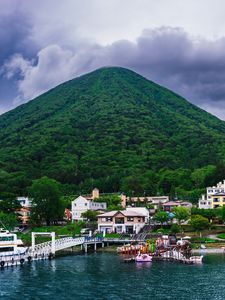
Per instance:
{"type": "Point", "coordinates": [11, 249]}
{"type": "Point", "coordinates": [196, 258]}
{"type": "Point", "coordinates": [143, 258]}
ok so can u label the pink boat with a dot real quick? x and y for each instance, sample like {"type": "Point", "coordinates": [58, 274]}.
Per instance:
{"type": "Point", "coordinates": [143, 258]}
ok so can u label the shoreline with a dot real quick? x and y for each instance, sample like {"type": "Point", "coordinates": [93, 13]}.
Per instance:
{"type": "Point", "coordinates": [209, 250]}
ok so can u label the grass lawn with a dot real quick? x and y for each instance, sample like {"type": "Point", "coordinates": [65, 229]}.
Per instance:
{"type": "Point", "coordinates": [221, 235]}
{"type": "Point", "coordinates": [67, 230]}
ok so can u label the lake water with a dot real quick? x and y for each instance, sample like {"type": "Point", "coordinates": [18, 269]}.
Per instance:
{"type": "Point", "coordinates": [105, 276]}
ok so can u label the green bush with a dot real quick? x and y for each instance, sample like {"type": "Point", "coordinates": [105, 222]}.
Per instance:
{"type": "Point", "coordinates": [175, 228]}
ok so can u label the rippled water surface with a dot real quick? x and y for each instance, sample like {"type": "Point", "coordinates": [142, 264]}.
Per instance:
{"type": "Point", "coordinates": [105, 276]}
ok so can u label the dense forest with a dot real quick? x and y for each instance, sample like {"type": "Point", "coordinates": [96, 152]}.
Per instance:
{"type": "Point", "coordinates": [115, 130]}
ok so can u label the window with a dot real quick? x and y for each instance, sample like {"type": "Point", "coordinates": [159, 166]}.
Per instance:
{"type": "Point", "coordinates": [130, 219]}
{"type": "Point", "coordinates": [119, 220]}
{"type": "Point", "coordinates": [5, 249]}
{"type": "Point", "coordinates": [6, 238]}
{"type": "Point", "coordinates": [108, 219]}
{"type": "Point", "coordinates": [216, 200]}
{"type": "Point", "coordinates": [85, 204]}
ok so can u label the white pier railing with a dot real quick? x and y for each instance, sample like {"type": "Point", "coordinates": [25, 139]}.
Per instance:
{"type": "Point", "coordinates": [44, 249]}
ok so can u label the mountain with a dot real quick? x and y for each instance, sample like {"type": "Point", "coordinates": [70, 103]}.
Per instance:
{"type": "Point", "coordinates": [104, 127]}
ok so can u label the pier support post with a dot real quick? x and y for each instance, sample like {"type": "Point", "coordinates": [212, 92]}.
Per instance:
{"type": "Point", "coordinates": [33, 241]}
{"type": "Point", "coordinates": [103, 245]}
{"type": "Point", "coordinates": [85, 248]}
{"type": "Point", "coordinates": [95, 246]}
{"type": "Point", "coordinates": [53, 242]}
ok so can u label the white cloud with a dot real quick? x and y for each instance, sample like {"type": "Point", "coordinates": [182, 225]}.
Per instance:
{"type": "Point", "coordinates": [17, 64]}
{"type": "Point", "coordinates": [108, 21]}
{"type": "Point", "coordinates": [54, 66]}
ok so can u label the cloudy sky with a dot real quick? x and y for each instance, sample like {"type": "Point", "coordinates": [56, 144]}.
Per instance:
{"type": "Point", "coordinates": [177, 43]}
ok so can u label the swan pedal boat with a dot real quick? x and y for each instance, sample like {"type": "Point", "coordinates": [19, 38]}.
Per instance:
{"type": "Point", "coordinates": [143, 258]}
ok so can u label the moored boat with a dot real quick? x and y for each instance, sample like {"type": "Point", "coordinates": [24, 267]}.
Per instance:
{"type": "Point", "coordinates": [143, 258]}
{"type": "Point", "coordinates": [196, 258]}
{"type": "Point", "coordinates": [11, 252]}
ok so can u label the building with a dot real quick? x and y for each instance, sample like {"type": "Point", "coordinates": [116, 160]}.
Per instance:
{"type": "Point", "coordinates": [168, 206]}
{"type": "Point", "coordinates": [24, 211]}
{"type": "Point", "coordinates": [24, 201]}
{"type": "Point", "coordinates": [82, 204]}
{"type": "Point", "coordinates": [218, 200]}
{"type": "Point", "coordinates": [68, 214]}
{"type": "Point", "coordinates": [206, 201]}
{"type": "Point", "coordinates": [125, 221]}
{"type": "Point", "coordinates": [142, 210]}
{"type": "Point", "coordinates": [156, 201]}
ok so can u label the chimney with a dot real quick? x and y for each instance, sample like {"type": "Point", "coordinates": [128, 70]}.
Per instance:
{"type": "Point", "coordinates": [123, 200]}
{"type": "Point", "coordinates": [95, 193]}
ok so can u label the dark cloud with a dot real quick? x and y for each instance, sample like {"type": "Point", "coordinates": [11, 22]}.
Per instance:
{"type": "Point", "coordinates": [16, 35]}
{"type": "Point", "coordinates": [193, 67]}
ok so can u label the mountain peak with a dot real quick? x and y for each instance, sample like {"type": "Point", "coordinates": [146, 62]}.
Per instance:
{"type": "Point", "coordinates": [105, 126]}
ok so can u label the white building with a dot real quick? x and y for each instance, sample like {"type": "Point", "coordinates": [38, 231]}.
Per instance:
{"type": "Point", "coordinates": [142, 210]}
{"type": "Point", "coordinates": [205, 201]}
{"type": "Point", "coordinates": [82, 204]}
{"type": "Point", "coordinates": [124, 221]}
{"type": "Point", "coordinates": [156, 201]}
{"type": "Point", "coordinates": [24, 201]}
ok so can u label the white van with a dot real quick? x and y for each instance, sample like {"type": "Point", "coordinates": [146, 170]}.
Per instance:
{"type": "Point", "coordinates": [85, 231]}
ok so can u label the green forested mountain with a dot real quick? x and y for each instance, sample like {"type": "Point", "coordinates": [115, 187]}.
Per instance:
{"type": "Point", "coordinates": [112, 129]}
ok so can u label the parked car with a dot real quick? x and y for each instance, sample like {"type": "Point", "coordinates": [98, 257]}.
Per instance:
{"type": "Point", "coordinates": [85, 231]}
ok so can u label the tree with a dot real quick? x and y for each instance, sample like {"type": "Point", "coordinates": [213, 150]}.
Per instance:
{"type": "Point", "coordinates": [162, 217]}
{"type": "Point", "coordinates": [8, 203]}
{"type": "Point", "coordinates": [8, 220]}
{"type": "Point", "coordinates": [113, 202]}
{"type": "Point", "coordinates": [223, 213]}
{"type": "Point", "coordinates": [181, 214]}
{"type": "Point", "coordinates": [207, 213]}
{"type": "Point", "coordinates": [199, 176]}
{"type": "Point", "coordinates": [90, 215]}
{"type": "Point", "coordinates": [199, 222]}
{"type": "Point", "coordinates": [46, 201]}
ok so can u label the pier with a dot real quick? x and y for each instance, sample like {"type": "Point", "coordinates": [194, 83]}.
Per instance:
{"type": "Point", "coordinates": [47, 250]}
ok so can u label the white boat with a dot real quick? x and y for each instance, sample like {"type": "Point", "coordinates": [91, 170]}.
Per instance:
{"type": "Point", "coordinates": [196, 259]}
{"type": "Point", "coordinates": [11, 250]}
